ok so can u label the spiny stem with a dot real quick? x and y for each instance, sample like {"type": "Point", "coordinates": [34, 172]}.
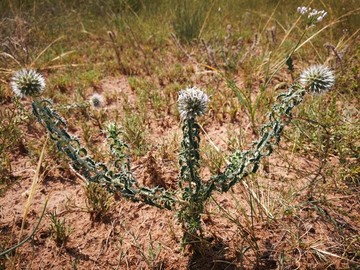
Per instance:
{"type": "Point", "coordinates": [193, 152]}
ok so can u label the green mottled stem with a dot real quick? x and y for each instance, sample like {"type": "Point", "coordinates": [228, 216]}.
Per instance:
{"type": "Point", "coordinates": [193, 153]}
{"type": "Point", "coordinates": [120, 180]}
{"type": "Point", "coordinates": [190, 212]}
{"type": "Point", "coordinates": [247, 162]}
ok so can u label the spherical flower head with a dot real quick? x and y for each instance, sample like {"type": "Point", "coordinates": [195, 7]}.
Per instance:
{"type": "Point", "coordinates": [27, 82]}
{"type": "Point", "coordinates": [97, 100]}
{"type": "Point", "coordinates": [317, 78]}
{"type": "Point", "coordinates": [192, 102]}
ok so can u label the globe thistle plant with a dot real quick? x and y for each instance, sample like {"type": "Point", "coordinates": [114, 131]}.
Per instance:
{"type": "Point", "coordinates": [193, 193]}
{"type": "Point", "coordinates": [192, 102]}
{"type": "Point", "coordinates": [317, 78]}
{"type": "Point", "coordinates": [27, 82]}
{"type": "Point", "coordinates": [97, 100]}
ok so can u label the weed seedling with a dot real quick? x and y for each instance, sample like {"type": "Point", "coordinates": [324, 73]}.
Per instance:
{"type": "Point", "coordinates": [98, 200]}
{"type": "Point", "coordinates": [60, 231]}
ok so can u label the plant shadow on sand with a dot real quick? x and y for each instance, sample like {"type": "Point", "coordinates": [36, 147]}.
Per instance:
{"type": "Point", "coordinates": [213, 254]}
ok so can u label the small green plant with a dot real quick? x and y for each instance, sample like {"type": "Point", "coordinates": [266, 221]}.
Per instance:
{"type": "Point", "coordinates": [60, 231]}
{"type": "Point", "coordinates": [214, 160]}
{"type": "Point", "coordinates": [10, 136]}
{"type": "Point", "coordinates": [98, 200]}
{"type": "Point", "coordinates": [135, 131]}
{"type": "Point", "coordinates": [151, 256]}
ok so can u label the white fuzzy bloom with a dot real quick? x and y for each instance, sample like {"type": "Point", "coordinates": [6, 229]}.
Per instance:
{"type": "Point", "coordinates": [27, 82]}
{"type": "Point", "coordinates": [313, 15]}
{"type": "Point", "coordinates": [97, 100]}
{"type": "Point", "coordinates": [192, 102]}
{"type": "Point", "coordinates": [317, 78]}
{"type": "Point", "coordinates": [302, 10]}
{"type": "Point", "coordinates": [322, 15]}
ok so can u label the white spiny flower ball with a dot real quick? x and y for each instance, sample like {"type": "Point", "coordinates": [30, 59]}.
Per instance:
{"type": "Point", "coordinates": [97, 100]}
{"type": "Point", "coordinates": [27, 82]}
{"type": "Point", "coordinates": [317, 78]}
{"type": "Point", "coordinates": [192, 102]}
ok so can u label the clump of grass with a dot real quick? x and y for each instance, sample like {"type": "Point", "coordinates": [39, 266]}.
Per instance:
{"type": "Point", "coordinates": [135, 132]}
{"type": "Point", "coordinates": [226, 52]}
{"type": "Point", "coordinates": [148, 94]}
{"type": "Point", "coordinates": [98, 200]}
{"type": "Point", "coordinates": [213, 160]}
{"type": "Point", "coordinates": [10, 136]}
{"type": "Point", "coordinates": [189, 16]}
{"type": "Point", "coordinates": [150, 255]}
{"type": "Point", "coordinates": [60, 231]}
